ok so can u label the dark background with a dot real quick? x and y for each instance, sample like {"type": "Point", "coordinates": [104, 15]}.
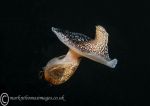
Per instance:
{"type": "Point", "coordinates": [27, 44]}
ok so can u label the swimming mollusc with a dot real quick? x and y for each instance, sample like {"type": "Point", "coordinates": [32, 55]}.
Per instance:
{"type": "Point", "coordinates": [59, 69]}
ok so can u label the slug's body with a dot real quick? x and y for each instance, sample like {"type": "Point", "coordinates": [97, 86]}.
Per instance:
{"type": "Point", "coordinates": [60, 69]}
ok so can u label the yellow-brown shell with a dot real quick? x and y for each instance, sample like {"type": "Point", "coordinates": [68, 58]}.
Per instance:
{"type": "Point", "coordinates": [59, 73]}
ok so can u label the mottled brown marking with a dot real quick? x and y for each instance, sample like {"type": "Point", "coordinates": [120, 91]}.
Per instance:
{"type": "Point", "coordinates": [56, 73]}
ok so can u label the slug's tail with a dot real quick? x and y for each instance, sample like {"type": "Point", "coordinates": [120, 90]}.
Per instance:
{"type": "Point", "coordinates": [112, 63]}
